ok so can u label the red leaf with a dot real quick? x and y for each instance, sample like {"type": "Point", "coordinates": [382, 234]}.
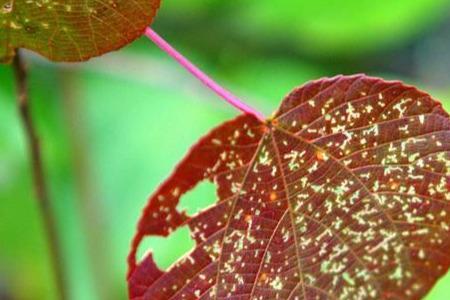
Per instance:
{"type": "Point", "coordinates": [72, 30]}
{"type": "Point", "coordinates": [344, 194]}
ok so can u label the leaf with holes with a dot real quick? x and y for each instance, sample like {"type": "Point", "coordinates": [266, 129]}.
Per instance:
{"type": "Point", "coordinates": [343, 194]}
{"type": "Point", "coordinates": [73, 30]}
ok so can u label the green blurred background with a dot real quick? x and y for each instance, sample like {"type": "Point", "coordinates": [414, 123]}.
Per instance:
{"type": "Point", "coordinates": [113, 128]}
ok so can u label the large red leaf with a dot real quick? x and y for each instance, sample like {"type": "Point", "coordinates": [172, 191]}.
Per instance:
{"type": "Point", "coordinates": [344, 194]}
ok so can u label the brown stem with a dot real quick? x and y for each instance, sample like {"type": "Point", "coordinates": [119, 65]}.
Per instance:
{"type": "Point", "coordinates": [39, 181]}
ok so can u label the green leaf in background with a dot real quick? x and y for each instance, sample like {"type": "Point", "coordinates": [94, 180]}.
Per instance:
{"type": "Point", "coordinates": [71, 30]}
{"type": "Point", "coordinates": [338, 28]}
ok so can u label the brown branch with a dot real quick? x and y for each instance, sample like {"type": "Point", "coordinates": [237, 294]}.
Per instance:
{"type": "Point", "coordinates": [39, 181]}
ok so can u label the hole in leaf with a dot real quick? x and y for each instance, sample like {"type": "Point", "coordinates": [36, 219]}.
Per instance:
{"type": "Point", "coordinates": [167, 250]}
{"type": "Point", "coordinates": [200, 198]}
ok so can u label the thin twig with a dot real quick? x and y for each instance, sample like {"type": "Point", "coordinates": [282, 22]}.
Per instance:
{"type": "Point", "coordinates": [214, 86]}
{"type": "Point", "coordinates": [39, 181]}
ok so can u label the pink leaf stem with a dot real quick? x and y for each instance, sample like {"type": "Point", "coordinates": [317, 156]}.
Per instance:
{"type": "Point", "coordinates": [183, 61]}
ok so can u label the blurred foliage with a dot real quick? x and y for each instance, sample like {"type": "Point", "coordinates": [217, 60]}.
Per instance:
{"type": "Point", "coordinates": [330, 29]}
{"type": "Point", "coordinates": [347, 28]}
{"type": "Point", "coordinates": [139, 112]}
